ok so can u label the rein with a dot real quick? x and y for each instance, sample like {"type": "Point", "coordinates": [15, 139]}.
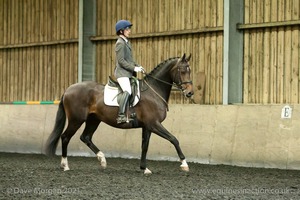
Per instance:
{"type": "Point", "coordinates": [157, 94]}
{"type": "Point", "coordinates": [165, 82]}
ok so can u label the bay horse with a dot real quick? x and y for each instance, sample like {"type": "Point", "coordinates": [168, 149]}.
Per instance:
{"type": "Point", "coordinates": [84, 102]}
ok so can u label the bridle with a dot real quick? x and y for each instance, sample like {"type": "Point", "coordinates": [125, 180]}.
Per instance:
{"type": "Point", "coordinates": [174, 84]}
{"type": "Point", "coordinates": [180, 83]}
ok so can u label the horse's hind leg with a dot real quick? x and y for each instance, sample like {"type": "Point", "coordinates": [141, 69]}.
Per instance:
{"type": "Point", "coordinates": [92, 124]}
{"type": "Point", "coordinates": [65, 139]}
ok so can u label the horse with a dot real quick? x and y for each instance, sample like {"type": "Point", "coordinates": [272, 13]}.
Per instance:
{"type": "Point", "coordinates": [84, 102]}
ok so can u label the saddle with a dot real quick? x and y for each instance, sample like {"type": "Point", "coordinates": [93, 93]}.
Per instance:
{"type": "Point", "coordinates": [134, 88]}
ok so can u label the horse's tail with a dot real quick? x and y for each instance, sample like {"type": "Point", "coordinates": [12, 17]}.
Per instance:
{"type": "Point", "coordinates": [51, 143]}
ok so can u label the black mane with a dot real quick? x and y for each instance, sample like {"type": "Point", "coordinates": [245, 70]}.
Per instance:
{"type": "Point", "coordinates": [163, 63]}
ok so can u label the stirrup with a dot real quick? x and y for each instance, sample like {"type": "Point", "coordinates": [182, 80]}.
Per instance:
{"type": "Point", "coordinates": [133, 115]}
{"type": "Point", "coordinates": [123, 119]}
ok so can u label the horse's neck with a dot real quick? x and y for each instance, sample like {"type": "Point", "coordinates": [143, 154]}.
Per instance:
{"type": "Point", "coordinates": [160, 87]}
{"type": "Point", "coordinates": [161, 81]}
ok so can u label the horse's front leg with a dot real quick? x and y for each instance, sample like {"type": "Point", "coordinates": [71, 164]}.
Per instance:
{"type": "Point", "coordinates": [145, 144]}
{"type": "Point", "coordinates": [164, 133]}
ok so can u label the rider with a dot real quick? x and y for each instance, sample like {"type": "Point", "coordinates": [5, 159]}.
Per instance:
{"type": "Point", "coordinates": [126, 67]}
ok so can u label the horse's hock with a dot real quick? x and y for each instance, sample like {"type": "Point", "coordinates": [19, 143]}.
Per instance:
{"type": "Point", "coordinates": [199, 87]}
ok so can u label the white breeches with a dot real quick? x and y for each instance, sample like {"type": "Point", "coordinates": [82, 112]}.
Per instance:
{"type": "Point", "coordinates": [125, 84]}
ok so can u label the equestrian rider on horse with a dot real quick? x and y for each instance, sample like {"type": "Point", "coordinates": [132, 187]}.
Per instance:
{"type": "Point", "coordinates": [126, 67]}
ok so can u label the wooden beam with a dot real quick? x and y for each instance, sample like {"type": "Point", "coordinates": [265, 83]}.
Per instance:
{"type": "Point", "coordinates": [35, 44]}
{"type": "Point", "coordinates": [268, 24]}
{"type": "Point", "coordinates": [161, 34]}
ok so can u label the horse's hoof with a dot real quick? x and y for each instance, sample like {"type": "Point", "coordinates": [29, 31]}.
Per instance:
{"type": "Point", "coordinates": [103, 165]}
{"type": "Point", "coordinates": [147, 171]}
{"type": "Point", "coordinates": [64, 164]}
{"type": "Point", "coordinates": [185, 168]}
{"type": "Point", "coordinates": [66, 169]}
{"type": "Point", "coordinates": [102, 159]}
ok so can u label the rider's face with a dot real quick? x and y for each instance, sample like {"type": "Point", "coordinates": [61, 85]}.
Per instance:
{"type": "Point", "coordinates": [127, 32]}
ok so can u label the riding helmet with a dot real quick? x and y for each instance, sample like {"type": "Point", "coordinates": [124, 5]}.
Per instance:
{"type": "Point", "coordinates": [122, 24]}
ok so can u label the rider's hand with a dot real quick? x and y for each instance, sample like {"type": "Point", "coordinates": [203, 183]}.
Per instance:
{"type": "Point", "coordinates": [139, 69]}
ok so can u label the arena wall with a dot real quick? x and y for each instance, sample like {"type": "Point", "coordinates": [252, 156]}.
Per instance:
{"type": "Point", "coordinates": [247, 135]}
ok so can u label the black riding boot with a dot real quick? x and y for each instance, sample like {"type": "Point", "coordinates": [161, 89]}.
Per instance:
{"type": "Point", "coordinates": [122, 118]}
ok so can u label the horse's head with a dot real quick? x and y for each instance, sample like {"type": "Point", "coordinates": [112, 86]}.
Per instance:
{"type": "Point", "coordinates": [182, 77]}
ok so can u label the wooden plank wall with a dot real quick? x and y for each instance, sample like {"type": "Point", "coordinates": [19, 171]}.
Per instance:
{"type": "Point", "coordinates": [38, 48]}
{"type": "Point", "coordinates": [272, 55]}
{"type": "Point", "coordinates": [39, 45]}
{"type": "Point", "coordinates": [167, 18]}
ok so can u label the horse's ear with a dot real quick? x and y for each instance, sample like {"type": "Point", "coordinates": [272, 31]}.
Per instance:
{"type": "Point", "coordinates": [183, 57]}
{"type": "Point", "coordinates": [188, 58]}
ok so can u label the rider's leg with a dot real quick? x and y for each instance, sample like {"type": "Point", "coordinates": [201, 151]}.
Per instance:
{"type": "Point", "coordinates": [125, 85]}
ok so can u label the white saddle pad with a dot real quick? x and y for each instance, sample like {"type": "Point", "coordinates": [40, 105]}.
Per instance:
{"type": "Point", "coordinates": [110, 96]}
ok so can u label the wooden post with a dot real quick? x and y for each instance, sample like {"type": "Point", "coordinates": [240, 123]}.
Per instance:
{"type": "Point", "coordinates": [86, 50]}
{"type": "Point", "coordinates": [80, 39]}
{"type": "Point", "coordinates": [233, 52]}
{"type": "Point", "coordinates": [89, 49]}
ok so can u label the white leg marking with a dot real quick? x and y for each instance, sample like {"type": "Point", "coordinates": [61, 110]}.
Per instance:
{"type": "Point", "coordinates": [102, 159]}
{"type": "Point", "coordinates": [64, 164]}
{"type": "Point", "coordinates": [184, 166]}
{"type": "Point", "coordinates": [147, 171]}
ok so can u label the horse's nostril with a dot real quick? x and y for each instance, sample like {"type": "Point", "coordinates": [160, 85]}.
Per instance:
{"type": "Point", "coordinates": [189, 94]}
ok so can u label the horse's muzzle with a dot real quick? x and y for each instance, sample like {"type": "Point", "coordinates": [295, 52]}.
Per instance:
{"type": "Point", "coordinates": [188, 91]}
